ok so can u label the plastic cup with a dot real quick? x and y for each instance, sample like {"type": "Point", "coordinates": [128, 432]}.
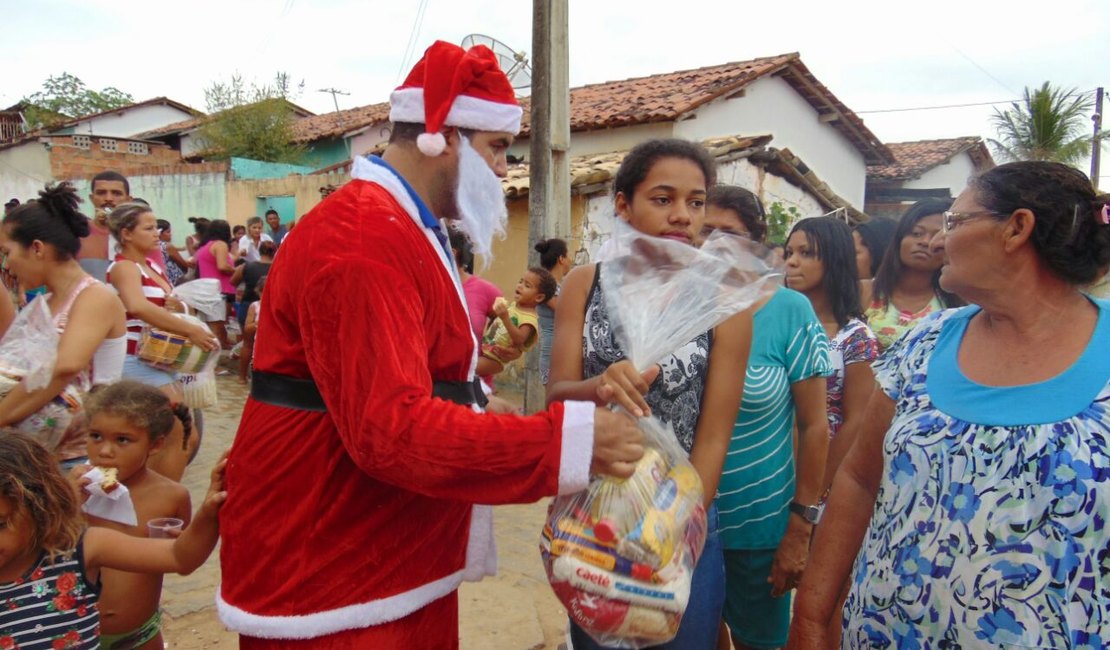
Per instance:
{"type": "Point", "coordinates": [162, 527]}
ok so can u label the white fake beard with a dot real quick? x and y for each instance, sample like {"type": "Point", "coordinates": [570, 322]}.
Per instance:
{"type": "Point", "coordinates": [481, 202]}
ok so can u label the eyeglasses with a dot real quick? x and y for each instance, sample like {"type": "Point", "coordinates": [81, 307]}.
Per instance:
{"type": "Point", "coordinates": [950, 219]}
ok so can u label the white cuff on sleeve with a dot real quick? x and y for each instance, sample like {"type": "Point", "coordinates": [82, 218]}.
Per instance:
{"type": "Point", "coordinates": [578, 446]}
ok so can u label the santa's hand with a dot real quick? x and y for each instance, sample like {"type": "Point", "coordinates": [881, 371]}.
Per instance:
{"type": "Point", "coordinates": [618, 444]}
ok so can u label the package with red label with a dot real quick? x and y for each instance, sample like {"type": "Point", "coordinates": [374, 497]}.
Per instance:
{"type": "Point", "coordinates": [620, 555]}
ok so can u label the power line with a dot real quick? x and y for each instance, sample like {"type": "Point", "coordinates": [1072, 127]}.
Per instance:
{"type": "Point", "coordinates": [982, 69]}
{"type": "Point", "coordinates": [410, 47]}
{"type": "Point", "coordinates": [930, 108]}
{"type": "Point", "coordinates": [933, 108]}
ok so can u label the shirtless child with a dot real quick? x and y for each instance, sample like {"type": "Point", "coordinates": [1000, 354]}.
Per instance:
{"type": "Point", "coordinates": [127, 422]}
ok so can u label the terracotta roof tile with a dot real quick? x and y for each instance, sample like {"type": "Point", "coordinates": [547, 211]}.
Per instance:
{"type": "Point", "coordinates": [333, 125]}
{"type": "Point", "coordinates": [666, 97]}
{"type": "Point", "coordinates": [657, 98]}
{"type": "Point", "coordinates": [170, 129]}
{"type": "Point", "coordinates": [915, 158]}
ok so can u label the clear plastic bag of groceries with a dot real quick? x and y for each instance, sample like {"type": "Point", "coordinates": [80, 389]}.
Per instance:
{"type": "Point", "coordinates": [27, 355]}
{"type": "Point", "coordinates": [620, 555]}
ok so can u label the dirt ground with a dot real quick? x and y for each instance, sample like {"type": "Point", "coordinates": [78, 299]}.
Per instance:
{"type": "Point", "coordinates": [514, 610]}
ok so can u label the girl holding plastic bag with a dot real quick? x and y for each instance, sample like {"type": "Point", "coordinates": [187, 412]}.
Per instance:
{"type": "Point", "coordinates": [39, 241]}
{"type": "Point", "coordinates": [146, 294]}
{"type": "Point", "coordinates": [660, 191]}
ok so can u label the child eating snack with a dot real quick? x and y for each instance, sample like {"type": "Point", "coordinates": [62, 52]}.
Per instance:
{"type": "Point", "coordinates": [516, 326]}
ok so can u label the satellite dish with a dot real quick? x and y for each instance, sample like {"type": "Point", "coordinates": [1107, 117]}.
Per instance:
{"type": "Point", "coordinates": [515, 64]}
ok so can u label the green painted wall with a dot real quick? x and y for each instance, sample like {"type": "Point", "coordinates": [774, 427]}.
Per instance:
{"type": "Point", "coordinates": [175, 198]}
{"type": "Point", "coordinates": [246, 169]}
{"type": "Point", "coordinates": [325, 153]}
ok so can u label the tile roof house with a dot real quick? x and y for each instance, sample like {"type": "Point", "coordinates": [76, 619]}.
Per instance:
{"type": "Point", "coordinates": [182, 134]}
{"type": "Point", "coordinates": [924, 168]}
{"type": "Point", "coordinates": [335, 137]}
{"type": "Point", "coordinates": [329, 138]}
{"type": "Point", "coordinates": [776, 95]}
{"type": "Point", "coordinates": [128, 121]}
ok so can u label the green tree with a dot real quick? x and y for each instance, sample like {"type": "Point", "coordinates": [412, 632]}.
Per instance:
{"type": "Point", "coordinates": [65, 96]}
{"type": "Point", "coordinates": [780, 218]}
{"type": "Point", "coordinates": [250, 120]}
{"type": "Point", "coordinates": [1049, 123]}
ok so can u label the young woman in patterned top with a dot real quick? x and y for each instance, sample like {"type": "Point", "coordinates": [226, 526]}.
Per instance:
{"type": "Point", "coordinates": [907, 287]}
{"type": "Point", "coordinates": [660, 190]}
{"type": "Point", "coordinates": [819, 256]}
{"type": "Point", "coordinates": [818, 264]}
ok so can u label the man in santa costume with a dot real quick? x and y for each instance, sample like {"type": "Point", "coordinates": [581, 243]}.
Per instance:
{"type": "Point", "coordinates": [361, 449]}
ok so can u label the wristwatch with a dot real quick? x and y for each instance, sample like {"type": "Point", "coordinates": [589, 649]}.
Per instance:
{"type": "Point", "coordinates": [812, 514]}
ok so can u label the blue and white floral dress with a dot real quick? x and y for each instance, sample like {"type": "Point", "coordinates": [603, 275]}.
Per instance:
{"type": "Point", "coordinates": [990, 527]}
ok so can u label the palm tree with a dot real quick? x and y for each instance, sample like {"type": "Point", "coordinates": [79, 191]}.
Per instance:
{"type": "Point", "coordinates": [1049, 124]}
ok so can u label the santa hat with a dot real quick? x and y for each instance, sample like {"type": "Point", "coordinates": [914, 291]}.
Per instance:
{"type": "Point", "coordinates": [451, 86]}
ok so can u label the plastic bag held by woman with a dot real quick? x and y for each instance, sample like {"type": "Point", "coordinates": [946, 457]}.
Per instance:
{"type": "Point", "coordinates": [620, 555]}
{"type": "Point", "coordinates": [27, 354]}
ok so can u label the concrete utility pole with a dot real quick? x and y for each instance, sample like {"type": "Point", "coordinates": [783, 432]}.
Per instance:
{"type": "Point", "coordinates": [1096, 146]}
{"type": "Point", "coordinates": [549, 141]}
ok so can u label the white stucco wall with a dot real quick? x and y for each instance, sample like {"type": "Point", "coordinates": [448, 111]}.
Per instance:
{"type": "Point", "coordinates": [370, 138]}
{"type": "Point", "coordinates": [24, 170]}
{"type": "Point", "coordinates": [130, 122]}
{"type": "Point", "coordinates": [587, 143]}
{"type": "Point", "coordinates": [771, 106]}
{"type": "Point", "coordinates": [953, 175]}
{"type": "Point", "coordinates": [191, 144]}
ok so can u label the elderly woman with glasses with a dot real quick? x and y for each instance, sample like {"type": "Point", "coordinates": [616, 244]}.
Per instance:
{"type": "Point", "coordinates": [976, 503]}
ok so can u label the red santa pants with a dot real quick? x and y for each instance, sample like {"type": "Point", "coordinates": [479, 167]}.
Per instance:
{"type": "Point", "coordinates": [432, 627]}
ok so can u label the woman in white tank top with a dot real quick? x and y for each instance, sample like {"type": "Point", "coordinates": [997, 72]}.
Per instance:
{"type": "Point", "coordinates": [40, 241]}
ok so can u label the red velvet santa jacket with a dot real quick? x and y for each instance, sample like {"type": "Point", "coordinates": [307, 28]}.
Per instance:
{"type": "Point", "coordinates": [362, 515]}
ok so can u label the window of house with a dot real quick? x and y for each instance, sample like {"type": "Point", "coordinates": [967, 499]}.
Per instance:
{"type": "Point", "coordinates": [138, 148]}
{"type": "Point", "coordinates": [108, 144]}
{"type": "Point", "coordinates": [82, 141]}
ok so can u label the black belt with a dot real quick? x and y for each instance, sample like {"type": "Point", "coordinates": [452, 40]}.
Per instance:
{"type": "Point", "coordinates": [302, 394]}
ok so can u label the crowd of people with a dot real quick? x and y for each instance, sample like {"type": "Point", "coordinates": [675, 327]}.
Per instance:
{"type": "Point", "coordinates": [904, 444]}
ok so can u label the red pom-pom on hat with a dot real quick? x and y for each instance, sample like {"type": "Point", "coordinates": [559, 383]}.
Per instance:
{"type": "Point", "coordinates": [450, 86]}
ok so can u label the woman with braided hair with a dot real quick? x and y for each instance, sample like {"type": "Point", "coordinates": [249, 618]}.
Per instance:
{"type": "Point", "coordinates": [40, 241]}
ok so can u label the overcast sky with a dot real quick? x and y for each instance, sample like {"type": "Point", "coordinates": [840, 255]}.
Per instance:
{"type": "Point", "coordinates": [873, 55]}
